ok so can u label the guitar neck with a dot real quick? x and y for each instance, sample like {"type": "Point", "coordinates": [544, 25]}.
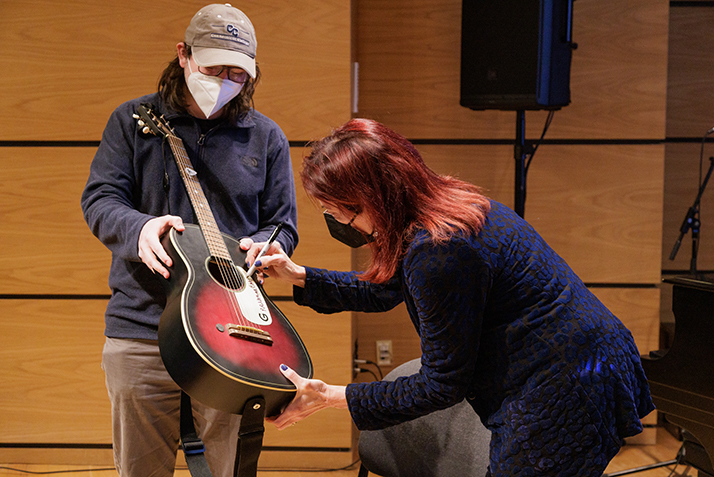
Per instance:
{"type": "Point", "coordinates": [214, 239]}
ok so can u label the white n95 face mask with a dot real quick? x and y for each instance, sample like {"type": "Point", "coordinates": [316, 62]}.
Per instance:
{"type": "Point", "coordinates": [211, 93]}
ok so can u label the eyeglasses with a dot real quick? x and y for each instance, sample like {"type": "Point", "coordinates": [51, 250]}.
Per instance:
{"type": "Point", "coordinates": [237, 75]}
{"type": "Point", "coordinates": [342, 215]}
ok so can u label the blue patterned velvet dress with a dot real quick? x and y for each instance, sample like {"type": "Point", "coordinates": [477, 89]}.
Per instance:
{"type": "Point", "coordinates": [506, 324]}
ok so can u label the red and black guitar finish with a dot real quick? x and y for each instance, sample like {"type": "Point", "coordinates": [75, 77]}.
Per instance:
{"type": "Point", "coordinates": [221, 338]}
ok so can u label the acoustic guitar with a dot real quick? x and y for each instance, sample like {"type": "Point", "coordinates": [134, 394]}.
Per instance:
{"type": "Point", "coordinates": [220, 336]}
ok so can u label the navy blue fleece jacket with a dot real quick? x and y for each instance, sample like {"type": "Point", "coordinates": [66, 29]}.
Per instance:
{"type": "Point", "coordinates": [244, 169]}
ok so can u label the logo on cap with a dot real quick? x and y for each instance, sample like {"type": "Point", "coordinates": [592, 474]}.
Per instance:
{"type": "Point", "coordinates": [233, 30]}
{"type": "Point", "coordinates": [234, 36]}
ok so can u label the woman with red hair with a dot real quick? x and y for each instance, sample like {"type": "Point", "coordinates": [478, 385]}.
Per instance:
{"type": "Point", "coordinates": [503, 321]}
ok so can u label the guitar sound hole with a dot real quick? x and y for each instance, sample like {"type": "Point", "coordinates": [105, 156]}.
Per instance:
{"type": "Point", "coordinates": [225, 273]}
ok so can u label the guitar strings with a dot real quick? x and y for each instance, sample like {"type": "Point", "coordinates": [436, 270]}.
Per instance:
{"type": "Point", "coordinates": [223, 261]}
{"type": "Point", "coordinates": [206, 218]}
{"type": "Point", "coordinates": [227, 272]}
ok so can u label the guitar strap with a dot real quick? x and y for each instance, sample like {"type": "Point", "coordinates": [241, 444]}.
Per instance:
{"type": "Point", "coordinates": [250, 439]}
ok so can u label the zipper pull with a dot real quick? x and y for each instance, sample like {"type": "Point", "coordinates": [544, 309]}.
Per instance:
{"type": "Point", "coordinates": [201, 139]}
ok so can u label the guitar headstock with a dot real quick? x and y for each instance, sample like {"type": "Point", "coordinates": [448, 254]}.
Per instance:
{"type": "Point", "coordinates": [152, 124]}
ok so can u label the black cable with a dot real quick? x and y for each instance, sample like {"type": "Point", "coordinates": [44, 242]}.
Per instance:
{"type": "Point", "coordinates": [347, 467]}
{"type": "Point", "coordinates": [548, 120]}
{"type": "Point", "coordinates": [365, 370]}
{"type": "Point", "coordinates": [366, 361]}
{"type": "Point", "coordinates": [48, 472]}
{"type": "Point", "coordinates": [701, 165]}
{"type": "Point", "coordinates": [680, 456]}
{"type": "Point", "coordinates": [527, 165]}
{"type": "Point", "coordinates": [381, 376]}
{"type": "Point", "coordinates": [267, 469]}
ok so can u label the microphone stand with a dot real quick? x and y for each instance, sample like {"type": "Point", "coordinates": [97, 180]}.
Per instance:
{"type": "Point", "coordinates": [691, 220]}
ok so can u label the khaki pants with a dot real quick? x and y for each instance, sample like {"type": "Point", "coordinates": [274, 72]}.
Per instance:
{"type": "Point", "coordinates": [145, 414]}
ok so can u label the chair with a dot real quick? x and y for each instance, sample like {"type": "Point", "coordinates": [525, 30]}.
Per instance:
{"type": "Point", "coordinates": [449, 442]}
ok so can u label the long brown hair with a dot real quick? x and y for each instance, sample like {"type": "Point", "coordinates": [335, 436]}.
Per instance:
{"type": "Point", "coordinates": [363, 166]}
{"type": "Point", "coordinates": [172, 87]}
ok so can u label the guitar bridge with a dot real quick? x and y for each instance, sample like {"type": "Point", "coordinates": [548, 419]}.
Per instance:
{"type": "Point", "coordinates": [249, 333]}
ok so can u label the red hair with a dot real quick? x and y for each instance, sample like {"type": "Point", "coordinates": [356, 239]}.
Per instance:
{"type": "Point", "coordinates": [363, 166]}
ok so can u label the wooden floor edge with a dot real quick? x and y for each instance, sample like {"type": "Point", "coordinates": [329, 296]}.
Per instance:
{"type": "Point", "coordinates": [283, 458]}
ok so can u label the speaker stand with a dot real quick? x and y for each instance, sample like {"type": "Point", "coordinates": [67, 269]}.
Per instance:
{"type": "Point", "coordinates": [520, 151]}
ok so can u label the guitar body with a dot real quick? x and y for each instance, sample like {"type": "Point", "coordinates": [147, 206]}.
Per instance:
{"type": "Point", "coordinates": [206, 360]}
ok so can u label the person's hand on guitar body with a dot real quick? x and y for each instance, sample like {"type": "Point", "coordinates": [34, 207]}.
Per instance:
{"type": "Point", "coordinates": [151, 251]}
{"type": "Point", "coordinates": [312, 396]}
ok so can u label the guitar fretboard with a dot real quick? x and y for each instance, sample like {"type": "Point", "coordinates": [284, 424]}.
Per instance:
{"type": "Point", "coordinates": [206, 220]}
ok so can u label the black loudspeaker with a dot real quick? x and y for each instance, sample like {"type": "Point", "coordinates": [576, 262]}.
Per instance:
{"type": "Point", "coordinates": [515, 54]}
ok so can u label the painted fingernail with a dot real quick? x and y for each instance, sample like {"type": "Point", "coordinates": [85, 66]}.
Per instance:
{"type": "Point", "coordinates": [258, 263]}
{"type": "Point", "coordinates": [283, 367]}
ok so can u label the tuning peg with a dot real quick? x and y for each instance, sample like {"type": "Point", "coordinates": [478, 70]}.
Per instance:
{"type": "Point", "coordinates": [146, 130]}
{"type": "Point", "coordinates": [135, 116]}
{"type": "Point", "coordinates": [141, 123]}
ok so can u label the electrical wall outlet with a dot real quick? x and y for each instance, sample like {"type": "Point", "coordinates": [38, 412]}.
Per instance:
{"type": "Point", "coordinates": [384, 352]}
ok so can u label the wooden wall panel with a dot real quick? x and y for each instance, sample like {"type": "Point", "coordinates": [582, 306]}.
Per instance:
{"type": "Point", "coordinates": [600, 207]}
{"type": "Point", "coordinates": [690, 114]}
{"type": "Point", "coordinates": [619, 71]}
{"type": "Point", "coordinates": [306, 61]}
{"type": "Point", "coordinates": [47, 246]}
{"type": "Point", "coordinates": [53, 385]}
{"type": "Point", "coordinates": [409, 72]}
{"type": "Point", "coordinates": [49, 249]}
{"type": "Point", "coordinates": [491, 167]}
{"type": "Point", "coordinates": [96, 55]}
{"type": "Point", "coordinates": [690, 102]}
{"type": "Point", "coordinates": [597, 206]}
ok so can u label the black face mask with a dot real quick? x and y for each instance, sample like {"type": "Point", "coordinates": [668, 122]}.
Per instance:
{"type": "Point", "coordinates": [345, 233]}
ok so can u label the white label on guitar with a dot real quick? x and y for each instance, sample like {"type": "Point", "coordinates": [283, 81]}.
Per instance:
{"type": "Point", "coordinates": [253, 305]}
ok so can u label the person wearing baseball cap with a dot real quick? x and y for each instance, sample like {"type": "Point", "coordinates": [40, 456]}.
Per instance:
{"type": "Point", "coordinates": [222, 35]}
{"type": "Point", "coordinates": [218, 57]}
{"type": "Point", "coordinates": [135, 194]}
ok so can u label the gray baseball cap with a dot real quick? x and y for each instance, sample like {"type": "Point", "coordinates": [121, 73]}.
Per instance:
{"type": "Point", "coordinates": [220, 34]}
